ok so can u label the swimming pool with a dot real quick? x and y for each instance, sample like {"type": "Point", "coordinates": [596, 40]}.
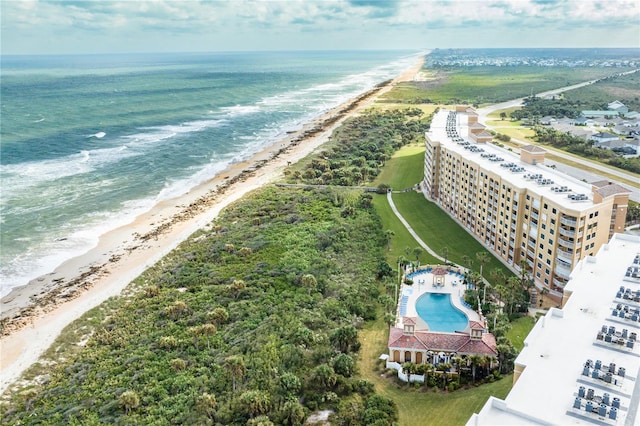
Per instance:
{"type": "Point", "coordinates": [439, 313]}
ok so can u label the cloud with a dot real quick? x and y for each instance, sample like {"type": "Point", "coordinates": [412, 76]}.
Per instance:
{"type": "Point", "coordinates": [244, 23]}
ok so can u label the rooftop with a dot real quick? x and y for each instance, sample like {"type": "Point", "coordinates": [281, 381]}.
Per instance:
{"type": "Point", "coordinates": [583, 346]}
{"type": "Point", "coordinates": [539, 179]}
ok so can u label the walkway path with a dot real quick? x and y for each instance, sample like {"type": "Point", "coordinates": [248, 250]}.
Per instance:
{"type": "Point", "coordinates": [412, 232]}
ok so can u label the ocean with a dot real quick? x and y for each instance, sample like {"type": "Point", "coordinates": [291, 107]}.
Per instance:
{"type": "Point", "coordinates": [89, 142]}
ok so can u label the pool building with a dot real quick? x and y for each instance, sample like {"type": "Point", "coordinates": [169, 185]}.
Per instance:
{"type": "Point", "coordinates": [433, 323]}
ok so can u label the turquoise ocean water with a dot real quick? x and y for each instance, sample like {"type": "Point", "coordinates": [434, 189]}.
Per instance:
{"type": "Point", "coordinates": [89, 142]}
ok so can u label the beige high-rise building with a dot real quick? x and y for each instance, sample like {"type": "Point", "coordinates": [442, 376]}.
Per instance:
{"type": "Point", "coordinates": [516, 206]}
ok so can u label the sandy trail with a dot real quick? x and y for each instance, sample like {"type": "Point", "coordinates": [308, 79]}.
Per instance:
{"type": "Point", "coordinates": [34, 315]}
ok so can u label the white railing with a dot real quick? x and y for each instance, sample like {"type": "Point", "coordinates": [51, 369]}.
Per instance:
{"type": "Point", "coordinates": [411, 378]}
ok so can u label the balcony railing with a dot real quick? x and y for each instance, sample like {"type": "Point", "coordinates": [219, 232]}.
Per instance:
{"type": "Point", "coordinates": [567, 232]}
{"type": "Point", "coordinates": [559, 282]}
{"type": "Point", "coordinates": [562, 272]}
{"type": "Point", "coordinates": [565, 253]}
{"type": "Point", "coordinates": [566, 243]}
{"type": "Point", "coordinates": [568, 222]}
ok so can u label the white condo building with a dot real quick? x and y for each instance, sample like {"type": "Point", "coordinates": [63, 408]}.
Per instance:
{"type": "Point", "coordinates": [520, 209]}
{"type": "Point", "coordinates": [581, 364]}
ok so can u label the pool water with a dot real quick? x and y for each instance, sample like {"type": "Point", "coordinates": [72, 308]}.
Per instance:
{"type": "Point", "coordinates": [439, 313]}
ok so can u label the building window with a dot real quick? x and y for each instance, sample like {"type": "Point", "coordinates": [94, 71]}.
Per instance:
{"type": "Point", "coordinates": [546, 280]}
{"type": "Point", "coordinates": [554, 211]}
{"type": "Point", "coordinates": [538, 274]}
{"type": "Point", "coordinates": [545, 206]}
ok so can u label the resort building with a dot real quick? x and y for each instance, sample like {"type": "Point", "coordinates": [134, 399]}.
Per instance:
{"type": "Point", "coordinates": [581, 364]}
{"type": "Point", "coordinates": [517, 207]}
{"type": "Point", "coordinates": [434, 324]}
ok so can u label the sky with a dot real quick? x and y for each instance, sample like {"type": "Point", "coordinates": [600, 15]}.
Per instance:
{"type": "Point", "coordinates": [103, 26]}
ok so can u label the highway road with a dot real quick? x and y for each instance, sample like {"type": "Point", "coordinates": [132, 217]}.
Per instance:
{"type": "Point", "coordinates": [590, 173]}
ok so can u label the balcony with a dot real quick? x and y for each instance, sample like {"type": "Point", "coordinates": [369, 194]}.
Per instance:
{"type": "Point", "coordinates": [565, 253]}
{"type": "Point", "coordinates": [562, 272]}
{"type": "Point", "coordinates": [567, 221]}
{"type": "Point", "coordinates": [535, 215]}
{"type": "Point", "coordinates": [531, 253]}
{"type": "Point", "coordinates": [559, 282]}
{"type": "Point", "coordinates": [563, 263]}
{"type": "Point", "coordinates": [567, 232]}
{"type": "Point", "coordinates": [566, 243]}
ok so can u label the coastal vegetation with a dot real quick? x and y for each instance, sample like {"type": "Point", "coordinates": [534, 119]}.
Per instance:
{"type": "Point", "coordinates": [363, 145]}
{"type": "Point", "coordinates": [481, 85]}
{"type": "Point", "coordinates": [258, 318]}
{"type": "Point", "coordinates": [259, 315]}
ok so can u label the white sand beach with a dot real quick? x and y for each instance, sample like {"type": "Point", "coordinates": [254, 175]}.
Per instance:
{"type": "Point", "coordinates": [35, 314]}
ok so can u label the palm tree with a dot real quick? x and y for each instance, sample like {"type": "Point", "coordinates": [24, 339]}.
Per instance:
{"type": "Point", "coordinates": [206, 404]}
{"type": "Point", "coordinates": [513, 283]}
{"type": "Point", "coordinates": [475, 361]}
{"type": "Point", "coordinates": [388, 234]}
{"type": "Point", "coordinates": [129, 400]}
{"type": "Point", "coordinates": [218, 315]}
{"type": "Point", "coordinates": [483, 258]}
{"type": "Point", "coordinates": [237, 367]}
{"type": "Point", "coordinates": [208, 330]}
{"type": "Point", "coordinates": [417, 252]}
{"type": "Point", "coordinates": [309, 281]}
{"type": "Point", "coordinates": [237, 287]}
{"type": "Point", "coordinates": [467, 261]}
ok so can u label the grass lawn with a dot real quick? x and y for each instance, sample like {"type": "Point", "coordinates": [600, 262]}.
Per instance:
{"type": "Point", "coordinates": [401, 238]}
{"type": "Point", "coordinates": [404, 169]}
{"type": "Point", "coordinates": [439, 230]}
{"type": "Point", "coordinates": [519, 330]}
{"type": "Point", "coordinates": [417, 406]}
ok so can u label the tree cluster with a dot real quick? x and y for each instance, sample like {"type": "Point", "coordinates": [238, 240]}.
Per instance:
{"type": "Point", "coordinates": [364, 144]}
{"type": "Point", "coordinates": [253, 321]}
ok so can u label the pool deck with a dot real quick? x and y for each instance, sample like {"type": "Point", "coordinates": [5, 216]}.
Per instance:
{"type": "Point", "coordinates": [423, 283]}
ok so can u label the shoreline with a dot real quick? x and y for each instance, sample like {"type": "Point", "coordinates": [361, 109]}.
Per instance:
{"type": "Point", "coordinates": [32, 316]}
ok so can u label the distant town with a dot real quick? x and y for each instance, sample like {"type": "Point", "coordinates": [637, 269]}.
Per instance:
{"type": "Point", "coordinates": [614, 58]}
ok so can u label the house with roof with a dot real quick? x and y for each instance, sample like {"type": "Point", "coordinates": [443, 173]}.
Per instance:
{"type": "Point", "coordinates": [618, 107]}
{"type": "Point", "coordinates": [604, 137]}
{"type": "Point", "coordinates": [599, 113]}
{"type": "Point", "coordinates": [582, 121]}
{"type": "Point", "coordinates": [408, 344]}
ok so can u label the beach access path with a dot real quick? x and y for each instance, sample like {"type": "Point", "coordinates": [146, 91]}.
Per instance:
{"type": "Point", "coordinates": [123, 254]}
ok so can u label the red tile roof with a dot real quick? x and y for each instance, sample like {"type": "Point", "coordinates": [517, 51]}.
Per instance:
{"type": "Point", "coordinates": [476, 325]}
{"type": "Point", "coordinates": [460, 343]}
